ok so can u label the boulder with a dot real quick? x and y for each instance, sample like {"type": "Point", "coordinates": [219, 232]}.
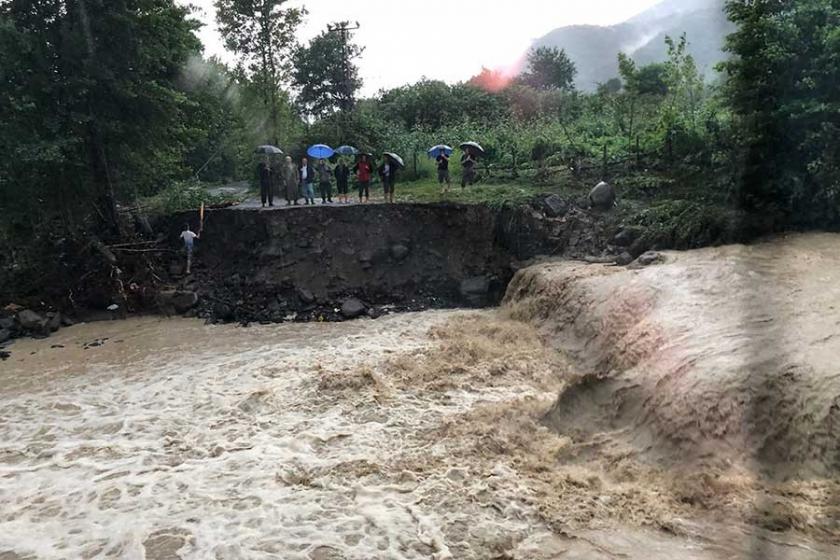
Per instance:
{"type": "Point", "coordinates": [602, 197]}
{"type": "Point", "coordinates": [475, 290]}
{"type": "Point", "coordinates": [305, 296]}
{"type": "Point", "coordinates": [67, 321]}
{"type": "Point", "coordinates": [53, 321]}
{"type": "Point", "coordinates": [554, 206]}
{"type": "Point", "coordinates": [13, 309]}
{"type": "Point", "coordinates": [626, 237]}
{"type": "Point", "coordinates": [7, 323]}
{"type": "Point", "coordinates": [5, 334]}
{"type": "Point", "coordinates": [399, 252]}
{"type": "Point", "coordinates": [650, 258]}
{"type": "Point", "coordinates": [179, 300]}
{"type": "Point", "coordinates": [223, 312]}
{"type": "Point", "coordinates": [624, 259]}
{"type": "Point", "coordinates": [31, 321]}
{"type": "Point", "coordinates": [352, 308]}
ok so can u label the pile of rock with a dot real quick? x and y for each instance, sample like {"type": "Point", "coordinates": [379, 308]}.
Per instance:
{"type": "Point", "coordinates": [16, 321]}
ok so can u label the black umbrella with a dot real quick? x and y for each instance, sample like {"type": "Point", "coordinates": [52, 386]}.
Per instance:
{"type": "Point", "coordinates": [268, 150]}
{"type": "Point", "coordinates": [474, 146]}
{"type": "Point", "coordinates": [395, 158]}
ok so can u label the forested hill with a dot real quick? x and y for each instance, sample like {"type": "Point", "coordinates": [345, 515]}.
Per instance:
{"type": "Point", "coordinates": [593, 49]}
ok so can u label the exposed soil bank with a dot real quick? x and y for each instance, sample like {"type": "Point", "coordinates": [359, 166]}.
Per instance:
{"type": "Point", "coordinates": [321, 263]}
{"type": "Point", "coordinates": [714, 374]}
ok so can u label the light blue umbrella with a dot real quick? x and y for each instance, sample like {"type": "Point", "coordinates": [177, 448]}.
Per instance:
{"type": "Point", "coordinates": [346, 151]}
{"type": "Point", "coordinates": [435, 152]}
{"type": "Point", "coordinates": [320, 151]}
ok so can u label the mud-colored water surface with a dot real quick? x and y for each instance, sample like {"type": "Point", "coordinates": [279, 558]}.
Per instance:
{"type": "Point", "coordinates": [430, 435]}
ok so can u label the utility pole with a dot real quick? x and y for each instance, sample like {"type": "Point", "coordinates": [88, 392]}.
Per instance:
{"type": "Point", "coordinates": [344, 29]}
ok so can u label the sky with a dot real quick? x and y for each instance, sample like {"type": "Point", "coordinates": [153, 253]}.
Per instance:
{"type": "Point", "coordinates": [406, 40]}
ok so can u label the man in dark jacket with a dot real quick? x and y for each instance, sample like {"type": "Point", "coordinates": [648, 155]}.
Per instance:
{"type": "Point", "coordinates": [266, 183]}
{"type": "Point", "coordinates": [342, 181]}
{"type": "Point", "coordinates": [325, 181]}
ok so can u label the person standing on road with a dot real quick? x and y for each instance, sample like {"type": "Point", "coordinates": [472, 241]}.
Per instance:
{"type": "Point", "coordinates": [342, 180]}
{"type": "Point", "coordinates": [468, 163]}
{"type": "Point", "coordinates": [266, 180]}
{"type": "Point", "coordinates": [291, 184]}
{"type": "Point", "coordinates": [189, 239]}
{"type": "Point", "coordinates": [325, 181]}
{"type": "Point", "coordinates": [443, 171]}
{"type": "Point", "coordinates": [388, 174]}
{"type": "Point", "coordinates": [307, 180]}
{"type": "Point", "coordinates": [364, 171]}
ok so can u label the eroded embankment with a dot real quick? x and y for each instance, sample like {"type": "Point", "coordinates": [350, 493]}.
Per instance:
{"type": "Point", "coordinates": [717, 370]}
{"type": "Point", "coordinates": [308, 263]}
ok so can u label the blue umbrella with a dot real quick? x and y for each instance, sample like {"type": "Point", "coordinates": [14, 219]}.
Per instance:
{"type": "Point", "coordinates": [346, 151]}
{"type": "Point", "coordinates": [435, 152]}
{"type": "Point", "coordinates": [320, 151]}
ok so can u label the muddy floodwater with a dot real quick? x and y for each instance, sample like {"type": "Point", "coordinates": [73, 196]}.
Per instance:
{"type": "Point", "coordinates": [412, 436]}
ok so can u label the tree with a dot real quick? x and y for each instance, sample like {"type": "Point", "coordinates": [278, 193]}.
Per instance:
{"type": "Point", "coordinates": [262, 33]}
{"type": "Point", "coordinates": [324, 73]}
{"type": "Point", "coordinates": [781, 84]}
{"type": "Point", "coordinates": [549, 68]}
{"type": "Point", "coordinates": [90, 106]}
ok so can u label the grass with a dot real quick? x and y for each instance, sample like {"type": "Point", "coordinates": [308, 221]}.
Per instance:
{"type": "Point", "coordinates": [491, 194]}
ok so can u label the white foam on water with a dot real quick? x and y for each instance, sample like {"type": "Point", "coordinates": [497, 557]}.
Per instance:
{"type": "Point", "coordinates": [214, 442]}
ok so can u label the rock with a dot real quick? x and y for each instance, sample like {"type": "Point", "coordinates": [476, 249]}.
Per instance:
{"type": "Point", "coordinates": [602, 196]}
{"type": "Point", "coordinates": [399, 252]}
{"type": "Point", "coordinates": [67, 321]}
{"type": "Point", "coordinates": [53, 321]}
{"type": "Point", "coordinates": [305, 296]}
{"type": "Point", "coordinates": [5, 355]}
{"type": "Point", "coordinates": [352, 308]}
{"type": "Point", "coordinates": [13, 309]}
{"type": "Point", "coordinates": [475, 286]}
{"type": "Point", "coordinates": [650, 258]}
{"type": "Point", "coordinates": [5, 334]}
{"type": "Point", "coordinates": [180, 301]}
{"type": "Point", "coordinates": [475, 290]}
{"type": "Point", "coordinates": [7, 323]}
{"type": "Point", "coordinates": [554, 206]}
{"type": "Point", "coordinates": [223, 312]}
{"type": "Point", "coordinates": [626, 237]}
{"type": "Point", "coordinates": [624, 259]}
{"type": "Point", "coordinates": [31, 321]}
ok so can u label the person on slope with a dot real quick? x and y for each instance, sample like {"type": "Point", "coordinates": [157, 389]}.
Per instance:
{"type": "Point", "coordinates": [443, 171]}
{"type": "Point", "coordinates": [189, 239]}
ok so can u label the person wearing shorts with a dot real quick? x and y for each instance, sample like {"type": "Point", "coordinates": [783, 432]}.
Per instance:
{"type": "Point", "coordinates": [363, 171]}
{"type": "Point", "coordinates": [443, 171]}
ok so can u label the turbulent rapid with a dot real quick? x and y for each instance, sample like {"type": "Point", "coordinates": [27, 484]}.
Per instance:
{"type": "Point", "coordinates": [441, 434]}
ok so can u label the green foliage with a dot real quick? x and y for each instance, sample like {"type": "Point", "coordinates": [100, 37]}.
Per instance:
{"type": "Point", "coordinates": [183, 195]}
{"type": "Point", "coordinates": [549, 68]}
{"type": "Point", "coordinates": [324, 73]}
{"type": "Point", "coordinates": [262, 34]}
{"type": "Point", "coordinates": [89, 100]}
{"type": "Point", "coordinates": [782, 87]}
